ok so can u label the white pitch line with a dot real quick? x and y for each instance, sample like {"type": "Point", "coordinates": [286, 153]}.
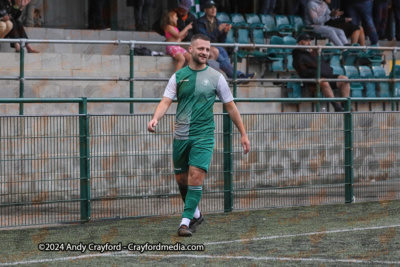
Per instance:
{"type": "Point", "coordinates": [111, 254]}
{"type": "Point", "coordinates": [296, 235]}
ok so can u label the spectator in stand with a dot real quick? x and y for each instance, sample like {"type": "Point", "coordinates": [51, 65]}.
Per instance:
{"type": "Point", "coordinates": [172, 34]}
{"type": "Point", "coordinates": [97, 20]}
{"type": "Point", "coordinates": [396, 12]}
{"type": "Point", "coordinates": [381, 8]}
{"type": "Point", "coordinates": [361, 11]}
{"type": "Point", "coordinates": [287, 7]}
{"type": "Point", "coordinates": [356, 33]}
{"type": "Point", "coordinates": [210, 26]}
{"type": "Point", "coordinates": [267, 6]}
{"type": "Point", "coordinates": [5, 22]}
{"type": "Point", "coordinates": [305, 63]}
{"type": "Point", "coordinates": [185, 17]}
{"type": "Point", "coordinates": [28, 12]}
{"type": "Point", "coordinates": [14, 9]}
{"type": "Point", "coordinates": [317, 14]}
{"type": "Point", "coordinates": [141, 13]}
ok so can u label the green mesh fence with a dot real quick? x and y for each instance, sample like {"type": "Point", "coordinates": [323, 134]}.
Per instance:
{"type": "Point", "coordinates": [39, 170]}
{"type": "Point", "coordinates": [296, 159]}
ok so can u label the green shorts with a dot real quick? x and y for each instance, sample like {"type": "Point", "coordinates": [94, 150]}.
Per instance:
{"type": "Point", "coordinates": [193, 152]}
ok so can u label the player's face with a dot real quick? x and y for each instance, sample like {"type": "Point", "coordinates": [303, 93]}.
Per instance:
{"type": "Point", "coordinates": [200, 50]}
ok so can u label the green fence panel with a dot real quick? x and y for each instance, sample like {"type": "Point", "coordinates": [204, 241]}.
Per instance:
{"type": "Point", "coordinates": [39, 170]}
{"type": "Point", "coordinates": [90, 167]}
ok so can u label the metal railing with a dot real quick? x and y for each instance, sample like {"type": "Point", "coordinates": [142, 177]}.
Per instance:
{"type": "Point", "coordinates": [85, 167]}
{"type": "Point", "coordinates": [236, 46]}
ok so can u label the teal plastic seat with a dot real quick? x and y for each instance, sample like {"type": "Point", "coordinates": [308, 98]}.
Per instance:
{"type": "Point", "coordinates": [289, 40]}
{"type": "Point", "coordinates": [283, 25]}
{"type": "Point", "coordinates": [223, 17]}
{"type": "Point", "coordinates": [331, 56]}
{"type": "Point", "coordinates": [277, 53]}
{"type": "Point", "coordinates": [294, 88]}
{"type": "Point", "coordinates": [356, 88]}
{"type": "Point", "coordinates": [350, 56]}
{"type": "Point", "coordinates": [369, 87]}
{"type": "Point", "coordinates": [382, 87]}
{"type": "Point", "coordinates": [238, 20]}
{"type": "Point", "coordinates": [372, 57]}
{"type": "Point", "coordinates": [337, 70]}
{"type": "Point", "coordinates": [230, 37]}
{"type": "Point", "coordinates": [269, 24]}
{"type": "Point", "coordinates": [200, 14]}
{"type": "Point", "coordinates": [397, 84]}
{"type": "Point", "coordinates": [252, 18]}
{"type": "Point", "coordinates": [257, 36]}
{"type": "Point", "coordinates": [243, 38]}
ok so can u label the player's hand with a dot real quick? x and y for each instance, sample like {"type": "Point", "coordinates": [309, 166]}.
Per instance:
{"type": "Point", "coordinates": [151, 126]}
{"type": "Point", "coordinates": [245, 144]}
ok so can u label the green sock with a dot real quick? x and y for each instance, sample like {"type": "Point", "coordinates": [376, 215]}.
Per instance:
{"type": "Point", "coordinates": [192, 200]}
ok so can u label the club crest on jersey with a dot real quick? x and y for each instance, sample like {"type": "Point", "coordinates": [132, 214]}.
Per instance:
{"type": "Point", "coordinates": [205, 82]}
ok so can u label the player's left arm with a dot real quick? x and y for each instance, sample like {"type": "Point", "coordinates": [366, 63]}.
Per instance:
{"type": "Point", "coordinates": [233, 112]}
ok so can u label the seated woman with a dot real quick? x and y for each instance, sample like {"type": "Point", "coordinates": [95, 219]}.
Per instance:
{"type": "Point", "coordinates": [5, 23]}
{"type": "Point", "coordinates": [356, 33]}
{"type": "Point", "coordinates": [172, 34]}
{"type": "Point", "coordinates": [14, 9]}
{"type": "Point", "coordinates": [317, 14]}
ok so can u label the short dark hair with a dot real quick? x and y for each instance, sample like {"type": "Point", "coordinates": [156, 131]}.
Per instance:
{"type": "Point", "coordinates": [302, 37]}
{"type": "Point", "coordinates": [199, 36]}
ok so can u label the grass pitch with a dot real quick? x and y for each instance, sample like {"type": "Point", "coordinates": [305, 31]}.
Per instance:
{"type": "Point", "coordinates": [328, 235]}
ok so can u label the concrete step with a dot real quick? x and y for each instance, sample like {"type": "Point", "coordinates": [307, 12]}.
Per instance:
{"type": "Point", "coordinates": [67, 34]}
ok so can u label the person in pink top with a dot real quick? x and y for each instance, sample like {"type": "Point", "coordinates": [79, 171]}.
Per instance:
{"type": "Point", "coordinates": [172, 34]}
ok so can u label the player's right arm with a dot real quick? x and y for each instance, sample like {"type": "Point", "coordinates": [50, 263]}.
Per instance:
{"type": "Point", "coordinates": [160, 111]}
{"type": "Point", "coordinates": [165, 103]}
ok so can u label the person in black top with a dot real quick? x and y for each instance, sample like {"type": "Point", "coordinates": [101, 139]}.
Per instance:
{"type": "Point", "coordinates": [14, 8]}
{"type": "Point", "coordinates": [185, 18]}
{"type": "Point", "coordinates": [305, 63]}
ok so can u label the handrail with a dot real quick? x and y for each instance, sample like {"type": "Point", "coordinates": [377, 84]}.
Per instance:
{"type": "Point", "coordinates": [131, 79]}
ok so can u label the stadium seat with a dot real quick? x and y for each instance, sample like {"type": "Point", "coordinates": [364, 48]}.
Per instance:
{"type": "Point", "coordinates": [243, 38]}
{"type": "Point", "coordinates": [238, 20]}
{"type": "Point", "coordinates": [382, 87]}
{"type": "Point", "coordinates": [365, 72]}
{"type": "Point", "coordinates": [331, 56]}
{"type": "Point", "coordinates": [355, 87]}
{"type": "Point", "coordinates": [337, 70]}
{"type": "Point", "coordinates": [252, 18]}
{"type": "Point", "coordinates": [269, 24]}
{"type": "Point", "coordinates": [200, 14]}
{"type": "Point", "coordinates": [299, 26]}
{"type": "Point", "coordinates": [223, 17]}
{"type": "Point", "coordinates": [294, 88]}
{"type": "Point", "coordinates": [230, 37]}
{"type": "Point", "coordinates": [277, 53]}
{"type": "Point", "coordinates": [350, 56]}
{"type": "Point", "coordinates": [289, 40]}
{"type": "Point", "coordinates": [283, 25]}
{"type": "Point", "coordinates": [371, 57]}
{"type": "Point", "coordinates": [397, 84]}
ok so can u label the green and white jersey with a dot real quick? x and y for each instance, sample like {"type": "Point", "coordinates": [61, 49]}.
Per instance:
{"type": "Point", "coordinates": [196, 91]}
